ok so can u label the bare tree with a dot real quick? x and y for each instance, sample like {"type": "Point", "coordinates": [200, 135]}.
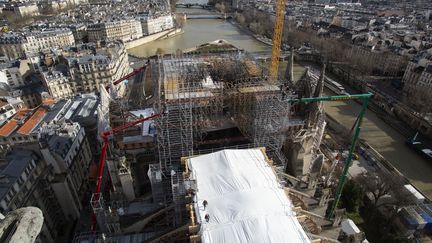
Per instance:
{"type": "Point", "coordinates": [257, 28]}
{"type": "Point", "coordinates": [173, 5]}
{"type": "Point", "coordinates": [389, 195]}
{"type": "Point", "coordinates": [241, 19]}
{"type": "Point", "coordinates": [384, 184]}
{"type": "Point", "coordinates": [220, 7]}
{"type": "Point", "coordinates": [180, 20]}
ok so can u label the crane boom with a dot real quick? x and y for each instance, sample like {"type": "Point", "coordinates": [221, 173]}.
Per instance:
{"type": "Point", "coordinates": [357, 126]}
{"type": "Point", "coordinates": [105, 136]}
{"type": "Point", "coordinates": [133, 73]}
{"type": "Point", "coordinates": [277, 38]}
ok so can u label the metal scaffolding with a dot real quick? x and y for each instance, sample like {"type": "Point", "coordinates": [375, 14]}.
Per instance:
{"type": "Point", "coordinates": [203, 94]}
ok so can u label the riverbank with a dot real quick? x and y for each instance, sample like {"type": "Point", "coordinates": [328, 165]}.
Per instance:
{"type": "Point", "coordinates": [150, 38]}
{"type": "Point", "coordinates": [263, 39]}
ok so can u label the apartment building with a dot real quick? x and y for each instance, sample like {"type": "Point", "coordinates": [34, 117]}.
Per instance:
{"type": "Point", "coordinates": [53, 178]}
{"type": "Point", "coordinates": [58, 85]}
{"type": "Point", "coordinates": [25, 181]}
{"type": "Point", "coordinates": [15, 73]}
{"type": "Point", "coordinates": [15, 45]}
{"type": "Point", "coordinates": [6, 110]}
{"type": "Point", "coordinates": [22, 10]}
{"type": "Point", "coordinates": [31, 94]}
{"type": "Point", "coordinates": [105, 65]}
{"type": "Point", "coordinates": [155, 24]}
{"type": "Point", "coordinates": [23, 127]}
{"type": "Point", "coordinates": [9, 107]}
{"type": "Point", "coordinates": [47, 39]}
{"type": "Point", "coordinates": [65, 149]}
{"type": "Point", "coordinates": [124, 30]}
{"type": "Point", "coordinates": [417, 84]}
{"type": "Point", "coordinates": [79, 32]}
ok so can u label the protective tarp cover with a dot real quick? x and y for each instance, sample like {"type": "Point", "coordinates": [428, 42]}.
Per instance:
{"type": "Point", "coordinates": [245, 201]}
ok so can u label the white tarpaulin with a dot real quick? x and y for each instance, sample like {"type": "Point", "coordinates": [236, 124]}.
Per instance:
{"type": "Point", "coordinates": [245, 201]}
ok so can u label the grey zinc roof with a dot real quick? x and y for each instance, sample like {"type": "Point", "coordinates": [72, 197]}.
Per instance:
{"type": "Point", "coordinates": [94, 58]}
{"type": "Point", "coordinates": [15, 164]}
{"type": "Point", "coordinates": [86, 106]}
{"type": "Point", "coordinates": [77, 108]}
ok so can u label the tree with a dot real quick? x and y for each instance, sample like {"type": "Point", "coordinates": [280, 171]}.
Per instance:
{"type": "Point", "coordinates": [160, 51]}
{"type": "Point", "coordinates": [351, 196]}
{"type": "Point", "coordinates": [220, 7]}
{"type": "Point", "coordinates": [173, 5]}
{"type": "Point", "coordinates": [180, 20]}
{"type": "Point", "coordinates": [241, 19]}
{"type": "Point", "coordinates": [257, 28]}
{"type": "Point", "coordinates": [380, 185]}
{"type": "Point", "coordinates": [388, 195]}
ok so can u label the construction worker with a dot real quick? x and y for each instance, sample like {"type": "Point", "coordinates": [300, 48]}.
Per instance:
{"type": "Point", "coordinates": [205, 203]}
{"type": "Point", "coordinates": [207, 217]}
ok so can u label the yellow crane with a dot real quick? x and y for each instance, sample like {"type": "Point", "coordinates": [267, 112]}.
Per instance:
{"type": "Point", "coordinates": [277, 38]}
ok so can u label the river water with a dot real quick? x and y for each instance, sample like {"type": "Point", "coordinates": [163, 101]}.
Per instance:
{"type": "Point", "coordinates": [200, 31]}
{"type": "Point", "coordinates": [377, 133]}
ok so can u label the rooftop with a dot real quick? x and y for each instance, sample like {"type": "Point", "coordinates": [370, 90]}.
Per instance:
{"type": "Point", "coordinates": [12, 168]}
{"type": "Point", "coordinates": [59, 136]}
{"type": "Point", "coordinates": [13, 123]}
{"type": "Point", "coordinates": [25, 122]}
{"type": "Point", "coordinates": [31, 123]}
{"type": "Point", "coordinates": [246, 203]}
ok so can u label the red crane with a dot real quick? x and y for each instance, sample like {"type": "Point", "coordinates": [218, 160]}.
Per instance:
{"type": "Point", "coordinates": [133, 73]}
{"type": "Point", "coordinates": [105, 138]}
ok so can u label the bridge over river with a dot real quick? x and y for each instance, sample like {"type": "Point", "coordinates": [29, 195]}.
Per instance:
{"type": "Point", "coordinates": [192, 3]}
{"type": "Point", "coordinates": [211, 15]}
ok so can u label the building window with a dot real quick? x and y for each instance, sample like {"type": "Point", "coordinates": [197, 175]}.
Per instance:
{"type": "Point", "coordinates": [10, 194]}
{"type": "Point", "coordinates": [20, 181]}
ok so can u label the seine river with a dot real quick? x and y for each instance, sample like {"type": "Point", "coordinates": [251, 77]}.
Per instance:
{"type": "Point", "coordinates": [383, 138]}
{"type": "Point", "coordinates": [200, 31]}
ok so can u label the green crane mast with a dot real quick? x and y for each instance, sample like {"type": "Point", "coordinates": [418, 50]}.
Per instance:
{"type": "Point", "coordinates": [365, 100]}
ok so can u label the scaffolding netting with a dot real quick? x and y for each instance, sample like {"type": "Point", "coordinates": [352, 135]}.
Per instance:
{"type": "Point", "coordinates": [245, 201]}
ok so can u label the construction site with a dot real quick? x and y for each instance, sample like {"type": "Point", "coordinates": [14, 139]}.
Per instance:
{"type": "Point", "coordinates": [207, 105]}
{"type": "Point", "coordinates": [225, 149]}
